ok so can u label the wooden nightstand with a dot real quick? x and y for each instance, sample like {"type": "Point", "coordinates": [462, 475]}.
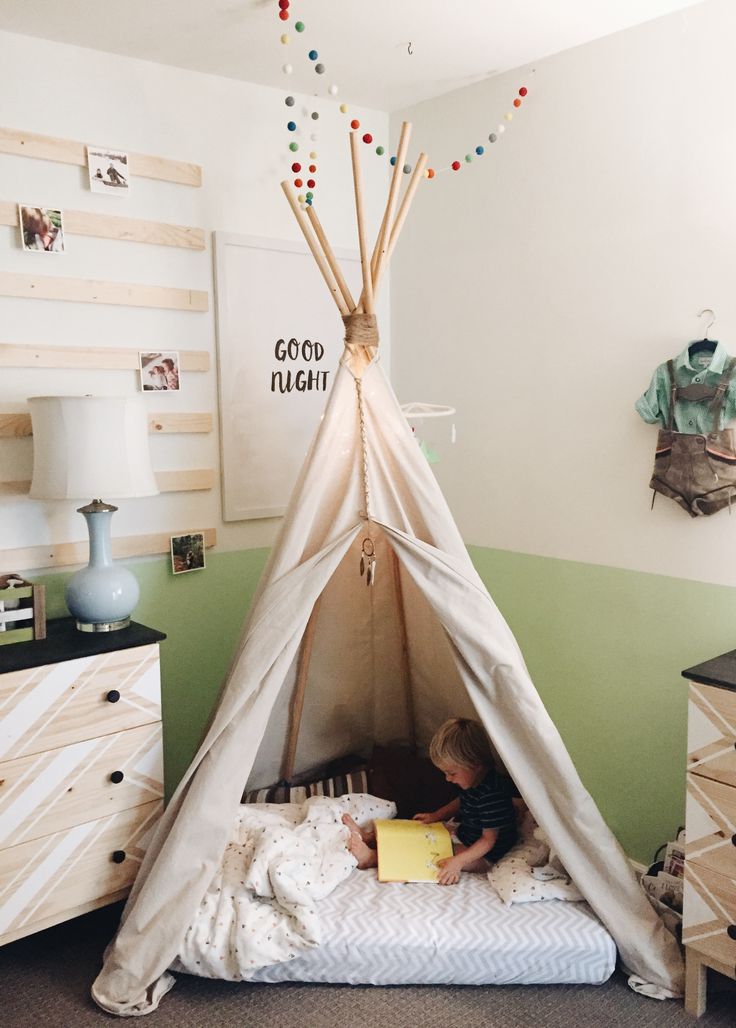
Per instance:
{"type": "Point", "coordinates": [81, 772]}
{"type": "Point", "coordinates": [709, 914]}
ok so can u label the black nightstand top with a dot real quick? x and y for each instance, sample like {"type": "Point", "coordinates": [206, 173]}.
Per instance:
{"type": "Point", "coordinates": [719, 671]}
{"type": "Point", "coordinates": [64, 642]}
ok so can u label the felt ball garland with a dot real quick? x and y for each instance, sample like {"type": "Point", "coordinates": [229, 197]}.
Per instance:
{"type": "Point", "coordinates": [367, 137]}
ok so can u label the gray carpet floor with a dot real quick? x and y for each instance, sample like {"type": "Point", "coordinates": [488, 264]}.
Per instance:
{"type": "Point", "coordinates": [45, 980]}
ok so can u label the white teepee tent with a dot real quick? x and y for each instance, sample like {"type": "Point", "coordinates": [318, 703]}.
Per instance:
{"type": "Point", "coordinates": [424, 642]}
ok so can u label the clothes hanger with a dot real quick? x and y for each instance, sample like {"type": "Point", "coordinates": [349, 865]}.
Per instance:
{"type": "Point", "coordinates": [704, 345]}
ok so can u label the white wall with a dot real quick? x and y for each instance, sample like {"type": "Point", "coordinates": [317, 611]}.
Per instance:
{"type": "Point", "coordinates": [237, 132]}
{"type": "Point", "coordinates": [538, 288]}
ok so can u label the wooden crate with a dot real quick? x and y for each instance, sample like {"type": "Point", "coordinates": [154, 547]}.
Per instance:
{"type": "Point", "coordinates": [22, 610]}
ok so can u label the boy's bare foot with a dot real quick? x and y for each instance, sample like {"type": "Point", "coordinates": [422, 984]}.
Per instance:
{"type": "Point", "coordinates": [362, 852]}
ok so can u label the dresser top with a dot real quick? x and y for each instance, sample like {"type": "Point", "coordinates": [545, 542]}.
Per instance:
{"type": "Point", "coordinates": [719, 671]}
{"type": "Point", "coordinates": [64, 642]}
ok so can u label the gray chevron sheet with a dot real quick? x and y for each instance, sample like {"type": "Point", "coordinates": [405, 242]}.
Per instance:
{"type": "Point", "coordinates": [421, 934]}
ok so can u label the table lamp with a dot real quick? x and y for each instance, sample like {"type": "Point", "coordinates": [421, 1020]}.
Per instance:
{"type": "Point", "coordinates": [93, 446]}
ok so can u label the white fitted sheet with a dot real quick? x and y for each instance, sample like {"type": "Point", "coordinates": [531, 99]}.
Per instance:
{"type": "Point", "coordinates": [423, 934]}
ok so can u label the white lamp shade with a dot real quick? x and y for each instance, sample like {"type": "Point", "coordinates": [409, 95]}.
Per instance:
{"type": "Point", "coordinates": [90, 447]}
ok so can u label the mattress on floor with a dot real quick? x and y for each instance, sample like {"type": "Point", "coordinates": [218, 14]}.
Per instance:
{"type": "Point", "coordinates": [422, 934]}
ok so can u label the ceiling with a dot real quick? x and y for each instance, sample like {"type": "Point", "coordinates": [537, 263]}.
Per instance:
{"type": "Point", "coordinates": [363, 45]}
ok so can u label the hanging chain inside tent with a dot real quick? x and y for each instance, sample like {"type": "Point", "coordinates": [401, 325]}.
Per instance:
{"type": "Point", "coordinates": [368, 553]}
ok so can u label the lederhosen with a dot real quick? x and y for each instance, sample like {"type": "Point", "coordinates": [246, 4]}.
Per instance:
{"type": "Point", "coordinates": [697, 471]}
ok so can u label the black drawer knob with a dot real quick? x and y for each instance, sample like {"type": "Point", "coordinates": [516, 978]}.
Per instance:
{"type": "Point", "coordinates": [731, 931]}
{"type": "Point", "coordinates": [117, 777]}
{"type": "Point", "coordinates": [118, 856]}
{"type": "Point", "coordinates": [733, 840]}
{"type": "Point", "coordinates": [113, 696]}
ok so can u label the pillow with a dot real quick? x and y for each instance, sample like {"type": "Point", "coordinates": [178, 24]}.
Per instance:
{"type": "Point", "coordinates": [519, 877]}
{"type": "Point", "coordinates": [339, 785]}
{"type": "Point", "coordinates": [411, 781]}
{"type": "Point", "coordinates": [365, 809]}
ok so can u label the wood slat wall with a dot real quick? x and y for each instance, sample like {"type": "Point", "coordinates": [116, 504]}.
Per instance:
{"type": "Point", "coordinates": [17, 425]}
{"type": "Point", "coordinates": [65, 554]}
{"type": "Point", "coordinates": [110, 226]}
{"type": "Point", "coordinates": [83, 290]}
{"type": "Point", "coordinates": [186, 480]}
{"type": "Point", "coordinates": [68, 151]}
{"type": "Point", "coordinates": [18, 355]}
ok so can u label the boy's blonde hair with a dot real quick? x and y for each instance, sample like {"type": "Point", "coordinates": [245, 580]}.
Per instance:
{"type": "Point", "coordinates": [461, 741]}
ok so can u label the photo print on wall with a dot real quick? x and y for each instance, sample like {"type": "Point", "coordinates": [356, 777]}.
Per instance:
{"type": "Point", "coordinates": [41, 229]}
{"type": "Point", "coordinates": [160, 371]}
{"type": "Point", "coordinates": [108, 171]}
{"type": "Point", "coordinates": [187, 553]}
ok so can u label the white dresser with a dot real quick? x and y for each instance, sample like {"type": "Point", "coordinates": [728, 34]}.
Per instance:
{"type": "Point", "coordinates": [709, 914]}
{"type": "Point", "coordinates": [81, 771]}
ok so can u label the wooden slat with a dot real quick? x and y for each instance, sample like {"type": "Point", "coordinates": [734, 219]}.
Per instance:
{"type": "Point", "coordinates": [182, 481]}
{"type": "Point", "coordinates": [84, 290]}
{"type": "Point", "coordinates": [68, 151]}
{"type": "Point", "coordinates": [17, 355]}
{"type": "Point", "coordinates": [59, 555]}
{"type": "Point", "coordinates": [110, 226]}
{"type": "Point", "coordinates": [17, 425]}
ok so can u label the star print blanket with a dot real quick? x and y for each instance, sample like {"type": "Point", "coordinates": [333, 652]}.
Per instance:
{"type": "Point", "coordinates": [260, 907]}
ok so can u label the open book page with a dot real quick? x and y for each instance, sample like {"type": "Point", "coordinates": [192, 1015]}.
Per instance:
{"type": "Point", "coordinates": [408, 851]}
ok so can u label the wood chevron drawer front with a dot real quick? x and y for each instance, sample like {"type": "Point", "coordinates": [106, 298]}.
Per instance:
{"type": "Point", "coordinates": [47, 792]}
{"type": "Point", "coordinates": [81, 771]}
{"type": "Point", "coordinates": [709, 914]}
{"type": "Point", "coordinates": [91, 863]}
{"type": "Point", "coordinates": [711, 733]}
{"type": "Point", "coordinates": [56, 704]}
{"type": "Point", "coordinates": [709, 902]}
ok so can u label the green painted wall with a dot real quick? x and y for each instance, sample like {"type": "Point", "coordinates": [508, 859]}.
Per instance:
{"type": "Point", "coordinates": [605, 648]}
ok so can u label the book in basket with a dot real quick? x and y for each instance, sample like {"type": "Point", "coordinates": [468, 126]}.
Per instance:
{"type": "Point", "coordinates": [409, 851]}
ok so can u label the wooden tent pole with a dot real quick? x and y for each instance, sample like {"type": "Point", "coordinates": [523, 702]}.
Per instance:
{"type": "Point", "coordinates": [316, 252]}
{"type": "Point", "coordinates": [393, 196]}
{"type": "Point", "coordinates": [297, 701]}
{"type": "Point", "coordinates": [331, 260]}
{"type": "Point", "coordinates": [416, 178]}
{"type": "Point", "coordinates": [393, 193]}
{"type": "Point", "coordinates": [405, 667]}
{"type": "Point", "coordinates": [365, 264]}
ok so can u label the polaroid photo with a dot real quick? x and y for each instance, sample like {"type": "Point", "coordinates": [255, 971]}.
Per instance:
{"type": "Point", "coordinates": [160, 372]}
{"type": "Point", "coordinates": [187, 553]}
{"type": "Point", "coordinates": [108, 171]}
{"type": "Point", "coordinates": [41, 229]}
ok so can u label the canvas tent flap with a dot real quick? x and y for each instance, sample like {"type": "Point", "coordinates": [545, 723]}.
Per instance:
{"type": "Point", "coordinates": [480, 660]}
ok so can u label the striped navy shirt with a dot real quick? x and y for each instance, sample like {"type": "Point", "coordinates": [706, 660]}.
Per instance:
{"type": "Point", "coordinates": [489, 805]}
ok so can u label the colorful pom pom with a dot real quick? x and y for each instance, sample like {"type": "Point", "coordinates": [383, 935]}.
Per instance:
{"type": "Point", "coordinates": [291, 126]}
{"type": "Point", "coordinates": [380, 151]}
{"type": "Point", "coordinates": [284, 15]}
{"type": "Point", "coordinates": [468, 158]}
{"type": "Point", "coordinates": [296, 168]}
{"type": "Point", "coordinates": [313, 154]}
{"type": "Point", "coordinates": [343, 108]}
{"type": "Point", "coordinates": [456, 165]}
{"type": "Point", "coordinates": [283, 4]}
{"type": "Point", "coordinates": [355, 124]}
{"type": "Point", "coordinates": [508, 116]}
{"type": "Point", "coordinates": [320, 69]}
{"type": "Point", "coordinates": [429, 173]}
{"type": "Point", "coordinates": [367, 138]}
{"type": "Point", "coordinates": [299, 26]}
{"type": "Point", "coordinates": [293, 147]}
{"type": "Point", "coordinates": [493, 137]}
{"type": "Point", "coordinates": [406, 169]}
{"type": "Point", "coordinates": [298, 183]}
{"type": "Point", "coordinates": [332, 90]}
{"type": "Point", "coordinates": [285, 39]}
{"type": "Point", "coordinates": [312, 55]}
{"type": "Point", "coordinates": [287, 69]}
{"type": "Point", "coordinates": [523, 91]}
{"type": "Point", "coordinates": [312, 168]}
{"type": "Point", "coordinates": [315, 115]}
{"type": "Point", "coordinates": [517, 102]}
{"type": "Point", "coordinates": [311, 183]}
{"type": "Point", "coordinates": [480, 150]}
{"type": "Point", "coordinates": [310, 196]}
{"type": "Point", "coordinates": [392, 161]}
{"type": "Point", "coordinates": [289, 101]}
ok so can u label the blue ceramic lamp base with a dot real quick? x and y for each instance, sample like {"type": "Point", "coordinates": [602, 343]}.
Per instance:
{"type": "Point", "coordinates": [103, 595]}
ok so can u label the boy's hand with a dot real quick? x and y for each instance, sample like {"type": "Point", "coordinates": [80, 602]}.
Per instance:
{"type": "Point", "coordinates": [450, 868]}
{"type": "Point", "coordinates": [426, 819]}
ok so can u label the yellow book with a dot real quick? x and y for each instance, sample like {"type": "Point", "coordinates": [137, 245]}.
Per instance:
{"type": "Point", "coordinates": [408, 851]}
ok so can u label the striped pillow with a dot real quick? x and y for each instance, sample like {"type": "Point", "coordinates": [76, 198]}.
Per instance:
{"type": "Point", "coordinates": [339, 785]}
